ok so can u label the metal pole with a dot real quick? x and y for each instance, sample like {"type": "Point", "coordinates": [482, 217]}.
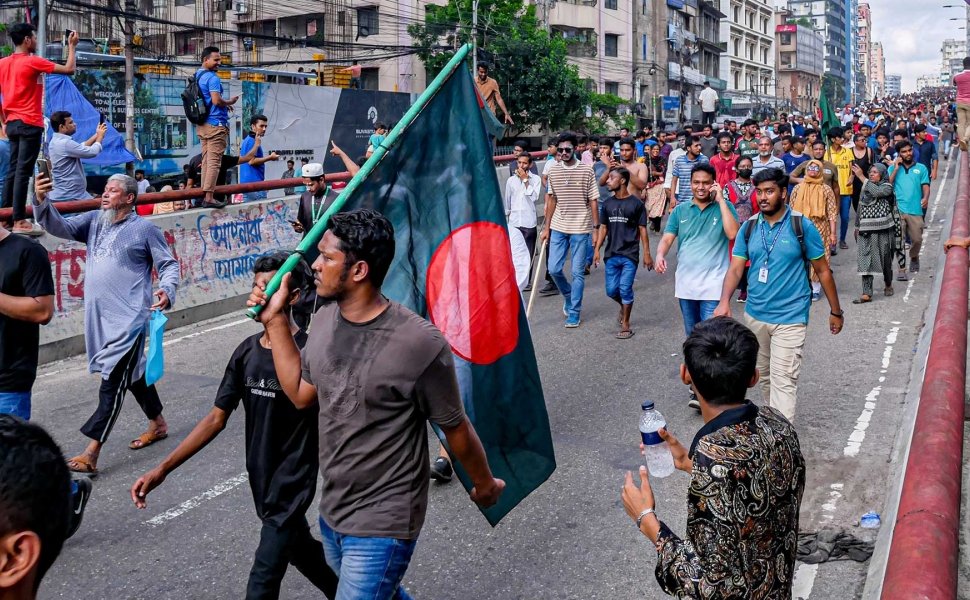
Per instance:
{"type": "Point", "coordinates": [42, 28]}
{"type": "Point", "coordinates": [129, 82]}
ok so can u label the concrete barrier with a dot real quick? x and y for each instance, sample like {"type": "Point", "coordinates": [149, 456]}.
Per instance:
{"type": "Point", "coordinates": [215, 250]}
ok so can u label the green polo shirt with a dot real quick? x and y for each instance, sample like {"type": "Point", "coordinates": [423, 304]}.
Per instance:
{"type": "Point", "coordinates": [909, 187]}
{"type": "Point", "coordinates": [702, 250]}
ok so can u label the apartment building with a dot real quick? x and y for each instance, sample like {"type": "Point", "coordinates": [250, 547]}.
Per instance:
{"type": "Point", "coordinates": [831, 19]}
{"type": "Point", "coordinates": [649, 57]}
{"type": "Point", "coordinates": [953, 52]}
{"type": "Point", "coordinates": [877, 86]}
{"type": "Point", "coordinates": [894, 84]}
{"type": "Point", "coordinates": [800, 58]}
{"type": "Point", "coordinates": [748, 65]}
{"type": "Point", "coordinates": [694, 52]}
{"type": "Point", "coordinates": [864, 46]}
{"type": "Point", "coordinates": [599, 38]}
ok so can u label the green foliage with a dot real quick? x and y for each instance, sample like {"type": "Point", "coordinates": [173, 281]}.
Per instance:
{"type": "Point", "coordinates": [538, 85]}
{"type": "Point", "coordinates": [834, 88]}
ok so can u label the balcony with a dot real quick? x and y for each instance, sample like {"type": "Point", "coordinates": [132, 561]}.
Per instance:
{"type": "Point", "coordinates": [579, 42]}
{"type": "Point", "coordinates": [567, 16]}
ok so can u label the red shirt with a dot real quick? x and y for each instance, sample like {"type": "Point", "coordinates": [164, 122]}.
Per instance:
{"type": "Point", "coordinates": [20, 86]}
{"type": "Point", "coordinates": [724, 168]}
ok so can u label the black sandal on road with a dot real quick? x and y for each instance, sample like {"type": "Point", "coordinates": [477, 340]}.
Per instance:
{"type": "Point", "coordinates": [862, 299]}
{"type": "Point", "coordinates": [624, 335]}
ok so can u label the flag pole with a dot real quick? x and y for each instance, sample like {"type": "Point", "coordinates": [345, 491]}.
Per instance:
{"type": "Point", "coordinates": [316, 232]}
{"type": "Point", "coordinates": [535, 279]}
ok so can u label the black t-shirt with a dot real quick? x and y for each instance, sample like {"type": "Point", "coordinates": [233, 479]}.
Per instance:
{"type": "Point", "coordinates": [281, 440]}
{"type": "Point", "coordinates": [25, 271]}
{"type": "Point", "coordinates": [623, 219]}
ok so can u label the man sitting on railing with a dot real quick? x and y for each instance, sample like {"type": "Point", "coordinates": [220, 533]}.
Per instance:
{"type": "Point", "coordinates": [70, 183]}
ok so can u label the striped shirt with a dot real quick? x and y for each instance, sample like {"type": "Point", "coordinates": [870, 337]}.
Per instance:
{"type": "Point", "coordinates": [682, 169]}
{"type": "Point", "coordinates": [574, 188]}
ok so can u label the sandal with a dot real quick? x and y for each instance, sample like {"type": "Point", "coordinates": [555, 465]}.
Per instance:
{"type": "Point", "coordinates": [862, 299]}
{"type": "Point", "coordinates": [624, 335]}
{"type": "Point", "coordinates": [889, 291]}
{"type": "Point", "coordinates": [146, 439]}
{"type": "Point", "coordinates": [82, 464]}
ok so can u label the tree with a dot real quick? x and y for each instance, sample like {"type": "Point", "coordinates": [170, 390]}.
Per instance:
{"type": "Point", "coordinates": [538, 85]}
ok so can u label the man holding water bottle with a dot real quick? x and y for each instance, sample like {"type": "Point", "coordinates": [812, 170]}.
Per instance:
{"type": "Point", "coordinates": [734, 547]}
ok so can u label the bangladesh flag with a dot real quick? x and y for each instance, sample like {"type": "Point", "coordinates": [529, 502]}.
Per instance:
{"type": "Point", "coordinates": [827, 119]}
{"type": "Point", "coordinates": [453, 265]}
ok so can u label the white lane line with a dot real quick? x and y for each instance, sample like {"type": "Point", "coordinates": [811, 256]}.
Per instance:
{"type": "Point", "coordinates": [858, 434]}
{"type": "Point", "coordinates": [205, 331]}
{"type": "Point", "coordinates": [805, 574]}
{"type": "Point", "coordinates": [181, 509]}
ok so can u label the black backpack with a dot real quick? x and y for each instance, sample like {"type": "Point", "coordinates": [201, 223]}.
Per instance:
{"type": "Point", "coordinates": [796, 227]}
{"type": "Point", "coordinates": [196, 109]}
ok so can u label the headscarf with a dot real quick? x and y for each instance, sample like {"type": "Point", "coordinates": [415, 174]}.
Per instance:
{"type": "Point", "coordinates": [808, 197]}
{"type": "Point", "coordinates": [872, 191]}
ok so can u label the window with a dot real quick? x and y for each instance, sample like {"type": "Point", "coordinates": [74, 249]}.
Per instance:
{"type": "Point", "coordinates": [265, 28]}
{"type": "Point", "coordinates": [610, 4]}
{"type": "Point", "coordinates": [368, 22]}
{"type": "Point", "coordinates": [188, 42]}
{"type": "Point", "coordinates": [737, 47]}
{"type": "Point", "coordinates": [737, 14]}
{"type": "Point", "coordinates": [737, 80]}
{"type": "Point", "coordinates": [612, 87]}
{"type": "Point", "coordinates": [342, 18]}
{"type": "Point", "coordinates": [785, 39]}
{"type": "Point", "coordinates": [591, 85]}
{"type": "Point", "coordinates": [611, 44]}
{"type": "Point", "coordinates": [184, 2]}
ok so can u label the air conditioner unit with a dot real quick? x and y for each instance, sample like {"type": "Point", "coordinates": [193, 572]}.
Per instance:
{"type": "Point", "coordinates": [240, 7]}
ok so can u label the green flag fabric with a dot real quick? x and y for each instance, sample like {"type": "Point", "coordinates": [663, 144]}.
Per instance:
{"type": "Point", "coordinates": [828, 118]}
{"type": "Point", "coordinates": [453, 265]}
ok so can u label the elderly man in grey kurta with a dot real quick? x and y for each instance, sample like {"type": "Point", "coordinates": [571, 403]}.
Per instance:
{"type": "Point", "coordinates": [123, 248]}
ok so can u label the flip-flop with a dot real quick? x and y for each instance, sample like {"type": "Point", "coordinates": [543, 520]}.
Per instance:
{"type": "Point", "coordinates": [624, 335]}
{"type": "Point", "coordinates": [82, 465]}
{"type": "Point", "coordinates": [146, 439]}
{"type": "Point", "coordinates": [862, 300]}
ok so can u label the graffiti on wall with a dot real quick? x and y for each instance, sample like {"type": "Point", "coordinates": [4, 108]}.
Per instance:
{"type": "Point", "coordinates": [215, 251]}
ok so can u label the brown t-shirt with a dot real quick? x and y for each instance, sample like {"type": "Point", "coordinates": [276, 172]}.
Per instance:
{"type": "Point", "coordinates": [488, 90]}
{"type": "Point", "coordinates": [378, 383]}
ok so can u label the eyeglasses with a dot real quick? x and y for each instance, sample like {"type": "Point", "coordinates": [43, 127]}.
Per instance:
{"type": "Point", "coordinates": [564, 150]}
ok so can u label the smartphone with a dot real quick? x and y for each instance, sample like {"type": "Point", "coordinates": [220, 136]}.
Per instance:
{"type": "Point", "coordinates": [44, 168]}
{"type": "Point", "coordinates": [67, 34]}
{"type": "Point", "coordinates": [100, 118]}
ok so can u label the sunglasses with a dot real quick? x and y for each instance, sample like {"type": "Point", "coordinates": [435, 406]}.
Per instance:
{"type": "Point", "coordinates": [564, 150]}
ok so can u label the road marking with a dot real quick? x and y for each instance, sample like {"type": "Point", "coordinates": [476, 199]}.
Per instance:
{"type": "Point", "coordinates": [181, 509]}
{"type": "Point", "coordinates": [858, 434]}
{"type": "Point", "coordinates": [930, 217]}
{"type": "Point", "coordinates": [805, 574]}
{"type": "Point", "coordinates": [205, 331]}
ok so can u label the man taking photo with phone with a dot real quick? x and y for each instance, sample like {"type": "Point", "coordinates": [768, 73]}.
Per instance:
{"type": "Point", "coordinates": [67, 170]}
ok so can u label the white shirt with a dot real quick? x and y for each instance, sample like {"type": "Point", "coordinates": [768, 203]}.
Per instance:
{"type": "Point", "coordinates": [143, 186]}
{"type": "Point", "coordinates": [521, 259]}
{"type": "Point", "coordinates": [520, 200]}
{"type": "Point", "coordinates": [671, 160]}
{"type": "Point", "coordinates": [708, 99]}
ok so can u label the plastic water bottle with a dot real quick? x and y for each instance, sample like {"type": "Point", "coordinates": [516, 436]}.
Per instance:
{"type": "Point", "coordinates": [870, 520]}
{"type": "Point", "coordinates": [660, 463]}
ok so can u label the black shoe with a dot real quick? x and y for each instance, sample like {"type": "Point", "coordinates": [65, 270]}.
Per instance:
{"type": "Point", "coordinates": [215, 204]}
{"type": "Point", "coordinates": [693, 403]}
{"type": "Point", "coordinates": [441, 470]}
{"type": "Point", "coordinates": [79, 500]}
{"type": "Point", "coordinates": [527, 289]}
{"type": "Point", "coordinates": [549, 289]}
{"type": "Point", "coordinates": [914, 266]}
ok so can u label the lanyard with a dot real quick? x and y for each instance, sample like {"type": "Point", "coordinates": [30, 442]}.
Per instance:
{"type": "Point", "coordinates": [317, 209]}
{"type": "Point", "coordinates": [774, 240]}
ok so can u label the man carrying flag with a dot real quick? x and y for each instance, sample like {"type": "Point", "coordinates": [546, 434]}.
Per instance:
{"type": "Point", "coordinates": [378, 372]}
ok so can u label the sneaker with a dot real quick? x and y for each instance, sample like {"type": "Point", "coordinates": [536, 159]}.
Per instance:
{"type": "Point", "coordinates": [843, 245]}
{"type": "Point", "coordinates": [527, 288]}
{"type": "Point", "coordinates": [914, 266]}
{"type": "Point", "coordinates": [693, 402]}
{"type": "Point", "coordinates": [572, 322]}
{"type": "Point", "coordinates": [80, 494]}
{"type": "Point", "coordinates": [549, 289]}
{"type": "Point", "coordinates": [816, 296]}
{"type": "Point", "coordinates": [834, 251]}
{"type": "Point", "coordinates": [743, 297]}
{"type": "Point", "coordinates": [441, 470]}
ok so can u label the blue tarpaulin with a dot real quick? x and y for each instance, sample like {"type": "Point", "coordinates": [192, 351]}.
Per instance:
{"type": "Point", "coordinates": [62, 94]}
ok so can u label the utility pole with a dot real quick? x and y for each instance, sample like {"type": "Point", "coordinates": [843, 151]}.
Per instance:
{"type": "Point", "coordinates": [42, 28]}
{"type": "Point", "coordinates": [130, 9]}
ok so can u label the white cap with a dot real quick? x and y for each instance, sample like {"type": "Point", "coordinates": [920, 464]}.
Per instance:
{"type": "Point", "coordinates": [312, 170]}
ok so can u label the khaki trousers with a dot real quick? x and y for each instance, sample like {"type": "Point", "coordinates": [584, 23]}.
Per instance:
{"type": "Point", "coordinates": [963, 121]}
{"type": "Point", "coordinates": [912, 226]}
{"type": "Point", "coordinates": [779, 362]}
{"type": "Point", "coordinates": [214, 140]}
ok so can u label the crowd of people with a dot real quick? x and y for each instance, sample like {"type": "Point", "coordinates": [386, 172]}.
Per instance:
{"type": "Point", "coordinates": [752, 211]}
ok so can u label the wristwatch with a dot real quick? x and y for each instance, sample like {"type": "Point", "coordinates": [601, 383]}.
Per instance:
{"type": "Point", "coordinates": [643, 513]}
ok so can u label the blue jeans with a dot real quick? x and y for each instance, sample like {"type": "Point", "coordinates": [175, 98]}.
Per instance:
{"type": "Point", "coordinates": [254, 196]}
{"type": "Point", "coordinates": [946, 147]}
{"type": "Point", "coordinates": [368, 567]}
{"type": "Point", "coordinates": [577, 246]}
{"type": "Point", "coordinates": [695, 311]}
{"type": "Point", "coordinates": [844, 205]}
{"type": "Point", "coordinates": [620, 272]}
{"type": "Point", "coordinates": [16, 404]}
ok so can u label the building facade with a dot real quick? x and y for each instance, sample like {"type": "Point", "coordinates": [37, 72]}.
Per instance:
{"type": "Point", "coordinates": [599, 38]}
{"type": "Point", "coordinates": [894, 84]}
{"type": "Point", "coordinates": [649, 58]}
{"type": "Point", "coordinates": [694, 53]}
{"type": "Point", "coordinates": [800, 59]}
{"type": "Point", "coordinates": [832, 20]}
{"type": "Point", "coordinates": [864, 45]}
{"type": "Point", "coordinates": [953, 52]}
{"type": "Point", "coordinates": [877, 86]}
{"type": "Point", "coordinates": [748, 65]}
{"type": "Point", "coordinates": [929, 80]}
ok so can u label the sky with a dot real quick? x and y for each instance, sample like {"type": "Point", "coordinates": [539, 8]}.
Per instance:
{"type": "Point", "coordinates": [912, 32]}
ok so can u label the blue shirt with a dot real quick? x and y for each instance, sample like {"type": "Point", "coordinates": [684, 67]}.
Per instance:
{"type": "Point", "coordinates": [210, 82]}
{"type": "Point", "coordinates": [682, 169]}
{"type": "Point", "coordinates": [787, 297]}
{"type": "Point", "coordinates": [908, 187]}
{"type": "Point", "coordinates": [791, 161]}
{"type": "Point", "coordinates": [927, 152]}
{"type": "Point", "coordinates": [247, 172]}
{"type": "Point", "coordinates": [702, 250]}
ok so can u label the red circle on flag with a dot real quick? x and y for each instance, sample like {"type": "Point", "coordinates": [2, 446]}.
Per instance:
{"type": "Point", "coordinates": [472, 294]}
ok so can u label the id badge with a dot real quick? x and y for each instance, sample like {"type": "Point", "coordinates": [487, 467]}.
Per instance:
{"type": "Point", "coordinates": [763, 275]}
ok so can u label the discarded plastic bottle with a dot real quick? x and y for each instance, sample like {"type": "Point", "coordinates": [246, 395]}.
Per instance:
{"type": "Point", "coordinates": [870, 520]}
{"type": "Point", "coordinates": [659, 461]}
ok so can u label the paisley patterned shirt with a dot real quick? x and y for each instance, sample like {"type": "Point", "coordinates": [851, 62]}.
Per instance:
{"type": "Point", "coordinates": [742, 511]}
